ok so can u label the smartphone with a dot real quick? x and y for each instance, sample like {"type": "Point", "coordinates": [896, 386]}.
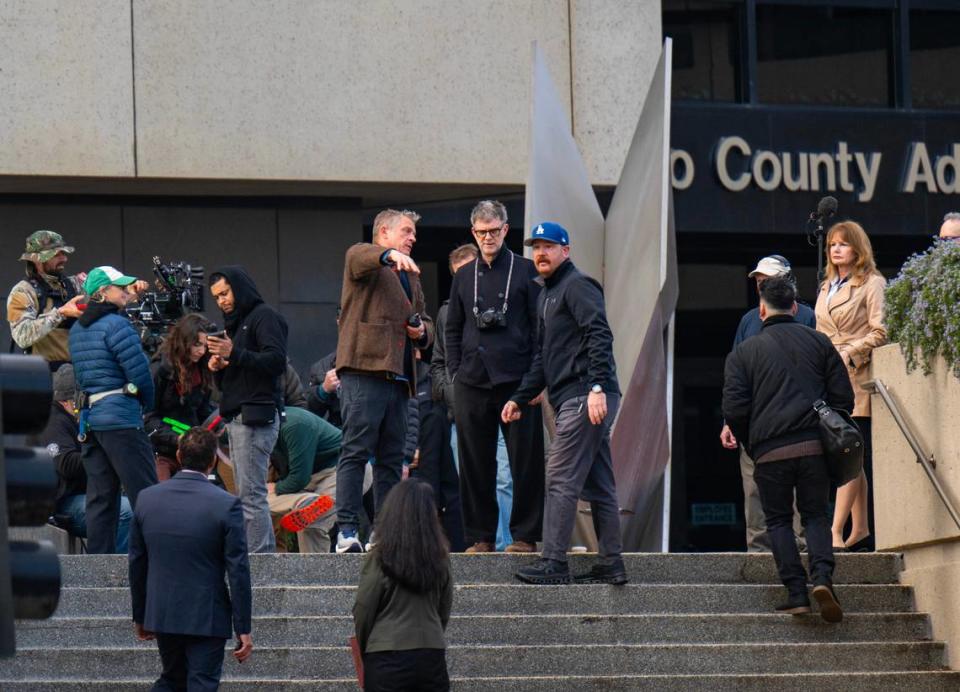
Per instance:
{"type": "Point", "coordinates": [222, 334]}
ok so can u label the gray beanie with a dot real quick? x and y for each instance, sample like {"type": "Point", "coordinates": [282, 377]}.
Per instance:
{"type": "Point", "coordinates": [64, 383]}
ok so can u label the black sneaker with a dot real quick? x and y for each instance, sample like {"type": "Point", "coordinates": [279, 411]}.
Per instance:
{"type": "Point", "coordinates": [796, 604]}
{"type": "Point", "coordinates": [604, 574]}
{"type": "Point", "coordinates": [830, 609]}
{"type": "Point", "coordinates": [545, 571]}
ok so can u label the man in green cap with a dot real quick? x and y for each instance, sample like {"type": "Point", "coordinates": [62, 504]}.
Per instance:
{"type": "Point", "coordinates": [42, 307]}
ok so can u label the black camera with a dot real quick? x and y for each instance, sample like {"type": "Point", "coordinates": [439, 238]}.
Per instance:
{"type": "Point", "coordinates": [179, 292]}
{"type": "Point", "coordinates": [491, 318]}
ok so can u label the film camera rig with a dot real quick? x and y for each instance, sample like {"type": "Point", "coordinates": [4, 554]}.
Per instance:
{"type": "Point", "coordinates": [179, 291]}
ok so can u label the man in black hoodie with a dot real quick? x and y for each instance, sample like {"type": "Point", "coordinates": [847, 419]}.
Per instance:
{"type": "Point", "coordinates": [248, 362]}
{"type": "Point", "coordinates": [575, 362]}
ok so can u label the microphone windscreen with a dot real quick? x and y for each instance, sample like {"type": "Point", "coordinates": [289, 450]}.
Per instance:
{"type": "Point", "coordinates": [827, 206]}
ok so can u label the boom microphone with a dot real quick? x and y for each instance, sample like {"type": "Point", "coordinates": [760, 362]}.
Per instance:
{"type": "Point", "coordinates": [827, 207]}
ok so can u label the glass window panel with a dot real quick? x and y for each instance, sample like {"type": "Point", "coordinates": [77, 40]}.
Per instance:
{"type": "Point", "coordinates": [706, 48]}
{"type": "Point", "coordinates": [934, 58]}
{"type": "Point", "coordinates": [833, 56]}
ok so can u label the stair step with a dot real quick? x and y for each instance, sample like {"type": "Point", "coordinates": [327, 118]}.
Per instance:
{"type": "Point", "coordinates": [499, 568]}
{"type": "Point", "coordinates": [919, 681]}
{"type": "Point", "coordinates": [95, 632]}
{"type": "Point", "coordinates": [519, 599]}
{"type": "Point", "coordinates": [477, 661]}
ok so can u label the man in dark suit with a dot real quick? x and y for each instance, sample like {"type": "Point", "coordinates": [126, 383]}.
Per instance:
{"type": "Point", "coordinates": [185, 535]}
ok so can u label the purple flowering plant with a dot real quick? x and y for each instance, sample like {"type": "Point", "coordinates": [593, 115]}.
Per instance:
{"type": "Point", "coordinates": [922, 307]}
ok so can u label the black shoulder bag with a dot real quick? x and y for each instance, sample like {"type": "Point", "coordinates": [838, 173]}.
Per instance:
{"type": "Point", "coordinates": [839, 434]}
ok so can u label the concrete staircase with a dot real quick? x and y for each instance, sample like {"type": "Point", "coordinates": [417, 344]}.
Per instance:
{"type": "Point", "coordinates": [685, 622]}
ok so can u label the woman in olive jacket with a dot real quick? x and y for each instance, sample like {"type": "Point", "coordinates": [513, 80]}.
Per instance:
{"type": "Point", "coordinates": [850, 311]}
{"type": "Point", "coordinates": [405, 595]}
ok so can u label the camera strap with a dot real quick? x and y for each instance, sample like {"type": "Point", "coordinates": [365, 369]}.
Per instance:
{"type": "Point", "coordinates": [506, 292]}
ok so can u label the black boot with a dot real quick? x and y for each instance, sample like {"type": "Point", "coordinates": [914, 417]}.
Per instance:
{"type": "Point", "coordinates": [600, 573]}
{"type": "Point", "coordinates": [545, 571]}
{"type": "Point", "coordinates": [830, 609]}
{"type": "Point", "coordinates": [796, 604]}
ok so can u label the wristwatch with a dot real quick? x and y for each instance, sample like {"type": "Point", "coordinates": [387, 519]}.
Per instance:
{"type": "Point", "coordinates": [596, 389]}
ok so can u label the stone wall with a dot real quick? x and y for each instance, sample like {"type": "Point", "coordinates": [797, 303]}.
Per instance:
{"type": "Point", "coordinates": [434, 91]}
{"type": "Point", "coordinates": [910, 517]}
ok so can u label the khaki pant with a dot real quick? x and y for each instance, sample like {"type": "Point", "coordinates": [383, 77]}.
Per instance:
{"type": "Point", "coordinates": [757, 539]}
{"type": "Point", "coordinates": [316, 537]}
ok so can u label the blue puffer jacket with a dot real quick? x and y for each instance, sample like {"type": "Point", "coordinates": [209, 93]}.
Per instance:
{"type": "Point", "coordinates": [107, 355]}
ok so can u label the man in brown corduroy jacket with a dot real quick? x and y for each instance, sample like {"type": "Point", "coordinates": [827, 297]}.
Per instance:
{"type": "Point", "coordinates": [381, 320]}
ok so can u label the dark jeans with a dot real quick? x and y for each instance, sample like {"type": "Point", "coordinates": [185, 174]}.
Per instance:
{"type": "Point", "coordinates": [438, 469]}
{"type": "Point", "coordinates": [414, 670]}
{"type": "Point", "coordinates": [580, 466]}
{"type": "Point", "coordinates": [477, 414]}
{"type": "Point", "coordinates": [374, 413]}
{"type": "Point", "coordinates": [777, 481]}
{"type": "Point", "coordinates": [112, 457]}
{"type": "Point", "coordinates": [190, 664]}
{"type": "Point", "coordinates": [75, 507]}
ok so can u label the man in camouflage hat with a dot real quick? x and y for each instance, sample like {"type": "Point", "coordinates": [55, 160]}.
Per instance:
{"type": "Point", "coordinates": [42, 307]}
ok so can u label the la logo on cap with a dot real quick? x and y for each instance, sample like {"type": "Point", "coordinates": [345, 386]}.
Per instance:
{"type": "Point", "coordinates": [539, 230]}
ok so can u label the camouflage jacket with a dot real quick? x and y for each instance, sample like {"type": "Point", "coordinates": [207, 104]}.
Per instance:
{"type": "Point", "coordinates": [44, 332]}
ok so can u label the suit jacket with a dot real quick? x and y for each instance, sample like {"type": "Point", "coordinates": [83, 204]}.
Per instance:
{"type": "Point", "coordinates": [374, 310]}
{"type": "Point", "coordinates": [186, 534]}
{"type": "Point", "coordinates": [853, 320]}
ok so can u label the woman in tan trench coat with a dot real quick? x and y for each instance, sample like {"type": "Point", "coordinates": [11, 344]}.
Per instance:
{"type": "Point", "coordinates": [850, 312]}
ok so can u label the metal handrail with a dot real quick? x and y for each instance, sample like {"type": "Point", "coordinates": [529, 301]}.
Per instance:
{"type": "Point", "coordinates": [925, 460]}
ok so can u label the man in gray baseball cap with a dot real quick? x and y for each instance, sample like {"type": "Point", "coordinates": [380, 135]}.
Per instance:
{"type": "Point", "coordinates": [750, 325]}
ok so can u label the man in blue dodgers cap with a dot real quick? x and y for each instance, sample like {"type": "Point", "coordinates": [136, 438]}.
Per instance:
{"type": "Point", "coordinates": [574, 360]}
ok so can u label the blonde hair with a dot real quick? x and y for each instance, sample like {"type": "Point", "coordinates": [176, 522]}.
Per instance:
{"type": "Point", "coordinates": [853, 234]}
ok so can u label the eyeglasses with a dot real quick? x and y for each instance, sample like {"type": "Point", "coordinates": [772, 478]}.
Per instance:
{"type": "Point", "coordinates": [492, 232]}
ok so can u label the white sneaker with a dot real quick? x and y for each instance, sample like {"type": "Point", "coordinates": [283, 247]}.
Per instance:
{"type": "Point", "coordinates": [347, 542]}
{"type": "Point", "coordinates": [371, 541]}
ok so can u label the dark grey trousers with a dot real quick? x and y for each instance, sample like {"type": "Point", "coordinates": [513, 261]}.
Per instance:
{"type": "Point", "coordinates": [112, 458]}
{"type": "Point", "coordinates": [374, 413]}
{"type": "Point", "coordinates": [189, 663]}
{"type": "Point", "coordinates": [579, 465]}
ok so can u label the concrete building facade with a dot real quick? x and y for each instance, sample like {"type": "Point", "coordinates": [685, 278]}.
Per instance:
{"type": "Point", "coordinates": [268, 133]}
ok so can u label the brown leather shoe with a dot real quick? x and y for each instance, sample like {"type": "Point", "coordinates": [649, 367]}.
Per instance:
{"type": "Point", "coordinates": [480, 547]}
{"type": "Point", "coordinates": [521, 547]}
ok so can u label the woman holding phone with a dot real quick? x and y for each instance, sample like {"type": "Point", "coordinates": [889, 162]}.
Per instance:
{"type": "Point", "coordinates": [183, 383]}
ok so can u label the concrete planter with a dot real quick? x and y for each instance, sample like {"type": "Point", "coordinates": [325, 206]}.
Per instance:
{"type": "Point", "coordinates": [910, 517]}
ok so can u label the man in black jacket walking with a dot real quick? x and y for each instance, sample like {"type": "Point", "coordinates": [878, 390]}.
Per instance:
{"type": "Point", "coordinates": [575, 362]}
{"type": "Point", "coordinates": [249, 361]}
{"type": "Point", "coordinates": [490, 339]}
{"type": "Point", "coordinates": [771, 415]}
